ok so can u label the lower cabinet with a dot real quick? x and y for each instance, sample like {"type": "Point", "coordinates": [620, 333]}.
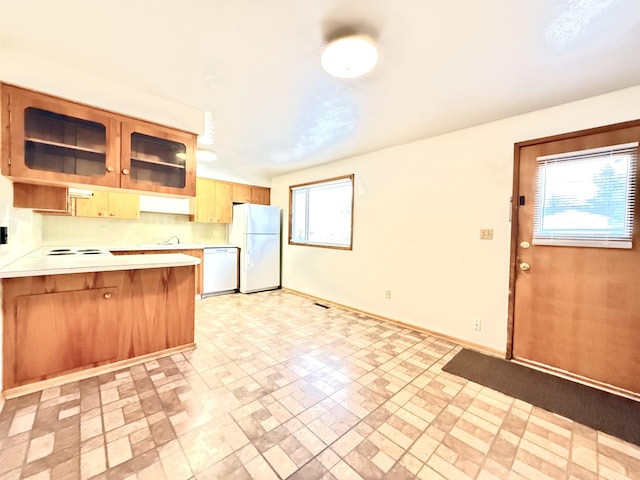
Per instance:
{"type": "Point", "coordinates": [57, 324]}
{"type": "Point", "coordinates": [65, 330]}
{"type": "Point", "coordinates": [193, 252]}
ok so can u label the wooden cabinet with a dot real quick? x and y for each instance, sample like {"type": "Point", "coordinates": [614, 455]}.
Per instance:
{"type": "Point", "coordinates": [214, 201]}
{"type": "Point", "coordinates": [261, 195]}
{"type": "Point", "coordinates": [108, 205]}
{"type": "Point", "coordinates": [154, 158]}
{"type": "Point", "coordinates": [43, 198]}
{"type": "Point", "coordinates": [187, 251]}
{"type": "Point", "coordinates": [54, 141]}
{"type": "Point", "coordinates": [241, 193]}
{"type": "Point", "coordinates": [55, 324]}
{"type": "Point", "coordinates": [251, 194]}
{"type": "Point", "coordinates": [68, 330]}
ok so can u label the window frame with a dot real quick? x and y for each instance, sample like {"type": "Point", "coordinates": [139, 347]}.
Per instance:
{"type": "Point", "coordinates": [320, 182]}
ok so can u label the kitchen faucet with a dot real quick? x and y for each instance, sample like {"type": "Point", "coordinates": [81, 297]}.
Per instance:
{"type": "Point", "coordinates": [168, 242]}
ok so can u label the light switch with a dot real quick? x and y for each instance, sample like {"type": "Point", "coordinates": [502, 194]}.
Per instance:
{"type": "Point", "coordinates": [486, 234]}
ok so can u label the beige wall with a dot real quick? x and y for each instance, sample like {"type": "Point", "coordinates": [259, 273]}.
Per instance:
{"type": "Point", "coordinates": [418, 211]}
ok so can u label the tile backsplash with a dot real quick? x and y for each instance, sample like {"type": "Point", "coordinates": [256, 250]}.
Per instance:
{"type": "Point", "coordinates": [149, 228]}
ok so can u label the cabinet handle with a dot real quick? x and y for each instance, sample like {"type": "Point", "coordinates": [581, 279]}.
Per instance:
{"type": "Point", "coordinates": [112, 214]}
{"type": "Point", "coordinates": [110, 168]}
{"type": "Point", "coordinates": [107, 295]}
{"type": "Point", "coordinates": [101, 213]}
{"type": "Point", "coordinates": [125, 171]}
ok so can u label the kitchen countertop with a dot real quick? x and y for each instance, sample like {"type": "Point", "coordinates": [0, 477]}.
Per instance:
{"type": "Point", "coordinates": [159, 246]}
{"type": "Point", "coordinates": [37, 264]}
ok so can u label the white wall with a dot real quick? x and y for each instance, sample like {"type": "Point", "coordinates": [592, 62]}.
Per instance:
{"type": "Point", "coordinates": [417, 215]}
{"type": "Point", "coordinates": [40, 74]}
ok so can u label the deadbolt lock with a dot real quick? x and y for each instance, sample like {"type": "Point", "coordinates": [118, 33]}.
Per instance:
{"type": "Point", "coordinates": [525, 244]}
{"type": "Point", "coordinates": [525, 266]}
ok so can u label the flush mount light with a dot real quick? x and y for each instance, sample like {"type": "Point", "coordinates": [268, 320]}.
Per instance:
{"type": "Point", "coordinates": [350, 57]}
{"type": "Point", "coordinates": [206, 155]}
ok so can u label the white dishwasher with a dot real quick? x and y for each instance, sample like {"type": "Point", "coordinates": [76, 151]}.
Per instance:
{"type": "Point", "coordinates": [219, 270]}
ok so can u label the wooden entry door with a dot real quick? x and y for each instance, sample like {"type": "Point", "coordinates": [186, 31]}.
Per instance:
{"type": "Point", "coordinates": [575, 309]}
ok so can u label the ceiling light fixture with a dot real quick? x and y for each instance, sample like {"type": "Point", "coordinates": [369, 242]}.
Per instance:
{"type": "Point", "coordinates": [350, 57]}
{"type": "Point", "coordinates": [206, 155]}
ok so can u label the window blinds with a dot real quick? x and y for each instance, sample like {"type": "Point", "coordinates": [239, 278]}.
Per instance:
{"type": "Point", "coordinates": [586, 198]}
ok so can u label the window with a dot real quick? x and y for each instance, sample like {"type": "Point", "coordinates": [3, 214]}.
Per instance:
{"type": "Point", "coordinates": [322, 213]}
{"type": "Point", "coordinates": [586, 198]}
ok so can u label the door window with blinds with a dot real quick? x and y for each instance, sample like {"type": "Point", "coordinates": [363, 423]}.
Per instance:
{"type": "Point", "coordinates": [586, 198]}
{"type": "Point", "coordinates": [321, 213]}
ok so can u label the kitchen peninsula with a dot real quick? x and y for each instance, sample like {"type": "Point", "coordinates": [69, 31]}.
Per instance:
{"type": "Point", "coordinates": [69, 312]}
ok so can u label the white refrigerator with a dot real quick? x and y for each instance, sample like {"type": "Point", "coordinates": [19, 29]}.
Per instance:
{"type": "Point", "coordinates": [255, 229]}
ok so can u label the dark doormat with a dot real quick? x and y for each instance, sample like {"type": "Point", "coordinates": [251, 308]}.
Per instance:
{"type": "Point", "coordinates": [609, 413]}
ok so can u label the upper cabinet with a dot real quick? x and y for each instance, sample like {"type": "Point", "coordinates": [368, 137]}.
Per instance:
{"type": "Point", "coordinates": [241, 193]}
{"type": "Point", "coordinates": [50, 140]}
{"type": "Point", "coordinates": [261, 195]}
{"type": "Point", "coordinates": [213, 201]}
{"type": "Point", "coordinates": [55, 141]}
{"type": "Point", "coordinates": [155, 158]}
{"type": "Point", "coordinates": [251, 194]}
{"type": "Point", "coordinates": [108, 205]}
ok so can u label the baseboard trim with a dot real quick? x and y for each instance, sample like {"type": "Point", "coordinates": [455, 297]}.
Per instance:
{"type": "Point", "coordinates": [89, 372]}
{"type": "Point", "coordinates": [399, 323]}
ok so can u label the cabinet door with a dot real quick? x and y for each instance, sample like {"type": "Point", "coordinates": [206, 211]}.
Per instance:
{"type": "Point", "coordinates": [205, 198]}
{"type": "Point", "coordinates": [214, 202]}
{"type": "Point", "coordinates": [157, 159]}
{"type": "Point", "coordinates": [241, 193]}
{"type": "Point", "coordinates": [223, 202]}
{"type": "Point", "coordinates": [57, 141]}
{"type": "Point", "coordinates": [261, 195]}
{"type": "Point", "coordinates": [96, 206]}
{"type": "Point", "coordinates": [64, 331]}
{"type": "Point", "coordinates": [124, 205]}
{"type": "Point", "coordinates": [108, 205]}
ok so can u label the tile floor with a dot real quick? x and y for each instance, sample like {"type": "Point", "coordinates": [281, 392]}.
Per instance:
{"type": "Point", "coordinates": [281, 388]}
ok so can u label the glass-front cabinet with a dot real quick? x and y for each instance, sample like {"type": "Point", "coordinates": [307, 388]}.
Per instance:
{"type": "Point", "coordinates": [61, 141]}
{"type": "Point", "coordinates": [156, 158]}
{"type": "Point", "coordinates": [51, 140]}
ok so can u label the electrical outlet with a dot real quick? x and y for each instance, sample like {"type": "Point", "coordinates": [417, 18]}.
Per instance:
{"type": "Point", "coordinates": [486, 234]}
{"type": "Point", "coordinates": [387, 294]}
{"type": "Point", "coordinates": [476, 324]}
{"type": "Point", "coordinates": [103, 230]}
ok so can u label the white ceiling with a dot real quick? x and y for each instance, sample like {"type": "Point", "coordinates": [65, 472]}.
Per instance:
{"type": "Point", "coordinates": [255, 64]}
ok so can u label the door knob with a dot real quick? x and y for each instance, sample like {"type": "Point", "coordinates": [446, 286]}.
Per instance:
{"type": "Point", "coordinates": [110, 169]}
{"type": "Point", "coordinates": [524, 266]}
{"type": "Point", "coordinates": [125, 171]}
{"type": "Point", "coordinates": [107, 295]}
